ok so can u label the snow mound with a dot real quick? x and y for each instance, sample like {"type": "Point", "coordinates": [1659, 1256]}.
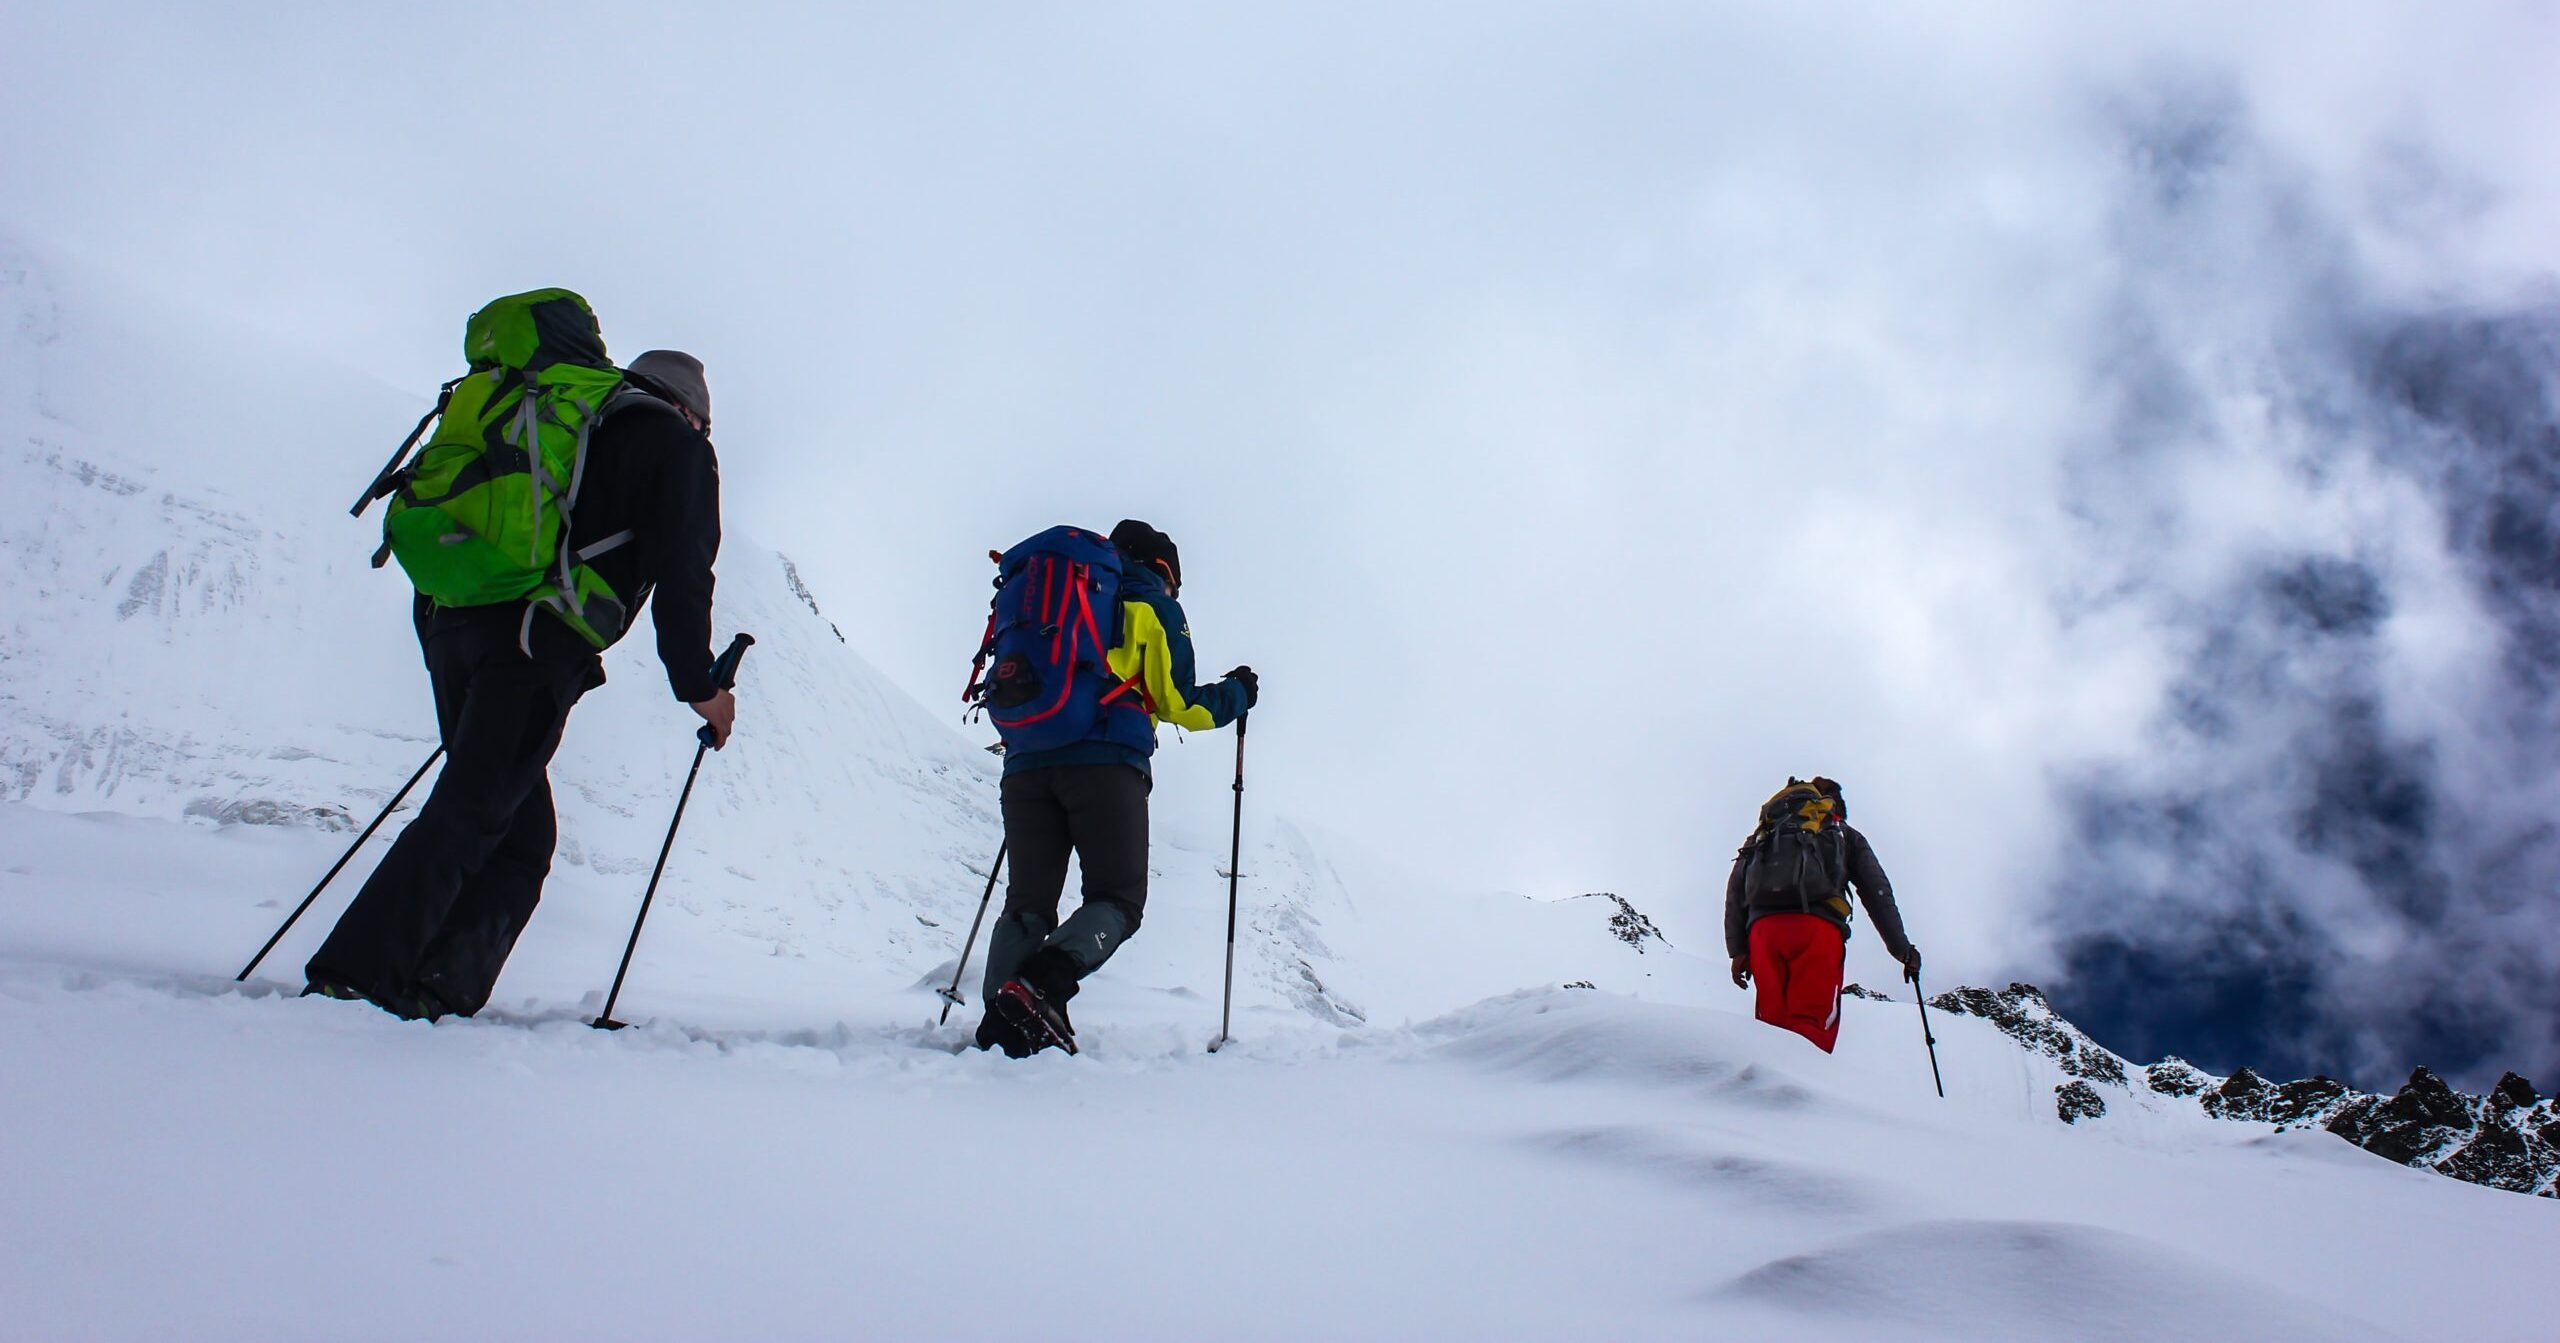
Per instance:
{"type": "Point", "coordinates": [1557, 1035]}
{"type": "Point", "coordinates": [2032, 1281]}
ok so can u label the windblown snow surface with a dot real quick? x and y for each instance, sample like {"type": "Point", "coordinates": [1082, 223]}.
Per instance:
{"type": "Point", "coordinates": [1420, 1132]}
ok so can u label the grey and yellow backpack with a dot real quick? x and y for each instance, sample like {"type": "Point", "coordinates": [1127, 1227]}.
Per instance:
{"type": "Point", "coordinates": [1799, 855]}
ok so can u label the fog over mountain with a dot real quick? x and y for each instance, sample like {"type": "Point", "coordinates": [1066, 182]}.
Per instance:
{"type": "Point", "coordinates": [2334, 505]}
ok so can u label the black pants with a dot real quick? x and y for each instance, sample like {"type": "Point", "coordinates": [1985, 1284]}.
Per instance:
{"type": "Point", "coordinates": [1099, 814]}
{"type": "Point", "coordinates": [438, 917]}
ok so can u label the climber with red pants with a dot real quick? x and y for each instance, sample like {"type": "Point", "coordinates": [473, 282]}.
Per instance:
{"type": "Point", "coordinates": [1787, 910]}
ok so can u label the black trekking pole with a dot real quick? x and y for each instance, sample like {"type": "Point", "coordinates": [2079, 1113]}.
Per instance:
{"type": "Point", "coordinates": [724, 674]}
{"type": "Point", "coordinates": [243, 976]}
{"type": "Point", "coordinates": [1235, 851]}
{"type": "Point", "coordinates": [1923, 999]}
{"type": "Point", "coordinates": [951, 996]}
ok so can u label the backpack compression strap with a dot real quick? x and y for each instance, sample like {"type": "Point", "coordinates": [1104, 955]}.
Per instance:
{"type": "Point", "coordinates": [589, 416]}
{"type": "Point", "coordinates": [1062, 593]}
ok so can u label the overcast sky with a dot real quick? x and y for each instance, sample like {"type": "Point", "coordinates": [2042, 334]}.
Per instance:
{"type": "Point", "coordinates": [1584, 416]}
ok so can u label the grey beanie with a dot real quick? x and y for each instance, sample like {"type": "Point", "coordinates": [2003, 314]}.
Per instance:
{"type": "Point", "coordinates": [678, 375]}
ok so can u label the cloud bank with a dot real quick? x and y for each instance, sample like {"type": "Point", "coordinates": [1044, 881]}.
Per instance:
{"type": "Point", "coordinates": [2335, 504]}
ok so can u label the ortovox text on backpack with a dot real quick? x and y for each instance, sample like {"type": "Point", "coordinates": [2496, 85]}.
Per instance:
{"type": "Point", "coordinates": [483, 514]}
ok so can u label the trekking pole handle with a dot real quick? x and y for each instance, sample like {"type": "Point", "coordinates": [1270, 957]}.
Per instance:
{"type": "Point", "coordinates": [724, 671]}
{"type": "Point", "coordinates": [724, 676]}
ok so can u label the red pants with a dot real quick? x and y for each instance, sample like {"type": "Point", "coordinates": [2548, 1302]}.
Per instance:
{"type": "Point", "coordinates": [1795, 962]}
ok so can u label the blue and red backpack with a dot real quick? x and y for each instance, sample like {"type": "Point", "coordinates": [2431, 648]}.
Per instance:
{"type": "Point", "coordinates": [1043, 672]}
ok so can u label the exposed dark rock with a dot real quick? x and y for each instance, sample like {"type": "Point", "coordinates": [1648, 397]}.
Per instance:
{"type": "Point", "coordinates": [2022, 1012]}
{"type": "Point", "coordinates": [2500, 1158]}
{"type": "Point", "coordinates": [2427, 1097]}
{"type": "Point", "coordinates": [2244, 1095]}
{"type": "Point", "coordinates": [2416, 1127]}
{"type": "Point", "coordinates": [2309, 1101]}
{"type": "Point", "coordinates": [2508, 1139]}
{"type": "Point", "coordinates": [1862, 991]}
{"type": "Point", "coordinates": [2077, 1100]}
{"type": "Point", "coordinates": [2174, 1076]}
{"type": "Point", "coordinates": [2354, 1119]}
{"type": "Point", "coordinates": [1629, 926]}
{"type": "Point", "coordinates": [791, 575]}
{"type": "Point", "coordinates": [1582, 984]}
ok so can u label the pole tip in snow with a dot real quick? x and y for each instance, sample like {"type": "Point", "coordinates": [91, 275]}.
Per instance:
{"type": "Point", "coordinates": [608, 1024]}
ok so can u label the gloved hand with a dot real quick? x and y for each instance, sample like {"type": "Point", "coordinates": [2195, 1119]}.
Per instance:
{"type": "Point", "coordinates": [1911, 967]}
{"type": "Point", "coordinates": [1252, 684]}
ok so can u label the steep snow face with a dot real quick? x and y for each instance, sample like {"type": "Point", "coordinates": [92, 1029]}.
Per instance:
{"type": "Point", "coordinates": [174, 642]}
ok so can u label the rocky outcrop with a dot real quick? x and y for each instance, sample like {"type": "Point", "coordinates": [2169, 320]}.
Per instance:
{"type": "Point", "coordinates": [2076, 1101]}
{"type": "Point", "coordinates": [2243, 1095]}
{"type": "Point", "coordinates": [1629, 926]}
{"type": "Point", "coordinates": [2174, 1076]}
{"type": "Point", "coordinates": [2421, 1125]}
{"type": "Point", "coordinates": [2500, 1158]}
{"type": "Point", "coordinates": [2246, 1095]}
{"type": "Point", "coordinates": [2021, 1012]}
{"type": "Point", "coordinates": [2507, 1139]}
{"type": "Point", "coordinates": [2313, 1100]}
{"type": "Point", "coordinates": [2504, 1140]}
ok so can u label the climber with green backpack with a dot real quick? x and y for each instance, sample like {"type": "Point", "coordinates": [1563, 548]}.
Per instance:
{"type": "Point", "coordinates": [1787, 911]}
{"type": "Point", "coordinates": [551, 495]}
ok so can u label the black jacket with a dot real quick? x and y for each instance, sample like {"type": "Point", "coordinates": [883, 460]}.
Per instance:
{"type": "Point", "coordinates": [650, 471]}
{"type": "Point", "coordinates": [1866, 875]}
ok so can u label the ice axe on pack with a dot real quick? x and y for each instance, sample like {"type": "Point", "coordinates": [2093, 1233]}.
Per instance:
{"type": "Point", "coordinates": [724, 675]}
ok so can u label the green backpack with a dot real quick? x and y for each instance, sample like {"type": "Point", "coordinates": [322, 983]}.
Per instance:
{"type": "Point", "coordinates": [482, 515]}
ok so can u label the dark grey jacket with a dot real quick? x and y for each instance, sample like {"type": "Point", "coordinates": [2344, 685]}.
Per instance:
{"type": "Point", "coordinates": [1866, 876]}
{"type": "Point", "coordinates": [658, 477]}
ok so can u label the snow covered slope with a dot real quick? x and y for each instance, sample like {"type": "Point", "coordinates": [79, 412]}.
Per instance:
{"type": "Point", "coordinates": [1421, 1133]}
{"type": "Point", "coordinates": [193, 1160]}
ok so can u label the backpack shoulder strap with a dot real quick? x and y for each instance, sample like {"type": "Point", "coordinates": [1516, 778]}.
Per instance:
{"type": "Point", "coordinates": [633, 394]}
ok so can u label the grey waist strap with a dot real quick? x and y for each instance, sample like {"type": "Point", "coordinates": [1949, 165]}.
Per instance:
{"type": "Point", "coordinates": [593, 549]}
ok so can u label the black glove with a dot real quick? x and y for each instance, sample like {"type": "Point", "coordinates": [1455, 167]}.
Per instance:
{"type": "Point", "coordinates": [1911, 967]}
{"type": "Point", "coordinates": [1252, 684]}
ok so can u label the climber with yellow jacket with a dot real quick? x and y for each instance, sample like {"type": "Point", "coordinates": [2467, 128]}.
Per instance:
{"type": "Point", "coordinates": [1087, 650]}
